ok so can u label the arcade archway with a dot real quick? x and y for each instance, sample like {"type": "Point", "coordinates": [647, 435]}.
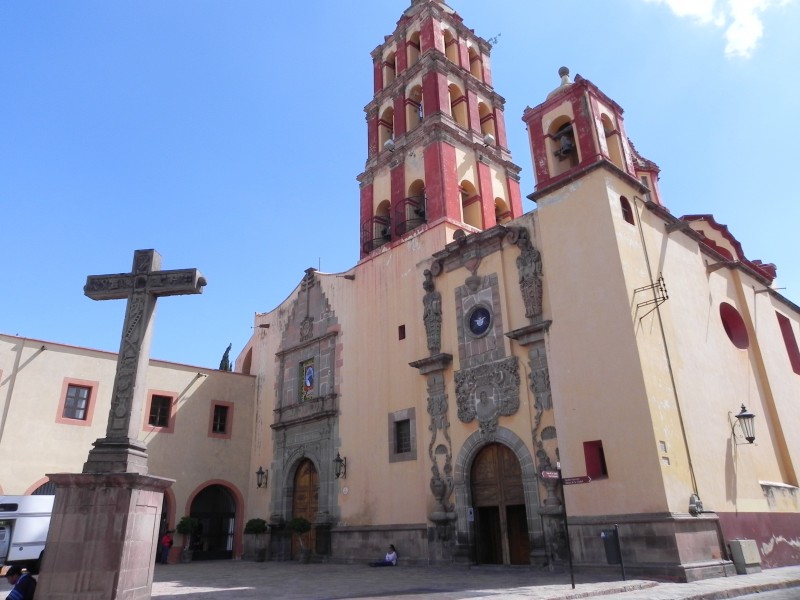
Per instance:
{"type": "Point", "coordinates": [215, 508]}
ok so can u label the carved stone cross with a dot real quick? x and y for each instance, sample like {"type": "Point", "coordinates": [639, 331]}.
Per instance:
{"type": "Point", "coordinates": [121, 451]}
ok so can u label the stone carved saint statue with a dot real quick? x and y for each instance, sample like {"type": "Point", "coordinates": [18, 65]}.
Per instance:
{"type": "Point", "coordinates": [432, 314]}
{"type": "Point", "coordinates": [529, 266]}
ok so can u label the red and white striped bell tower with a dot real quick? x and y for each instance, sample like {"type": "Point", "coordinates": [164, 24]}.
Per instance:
{"type": "Point", "coordinates": [437, 149]}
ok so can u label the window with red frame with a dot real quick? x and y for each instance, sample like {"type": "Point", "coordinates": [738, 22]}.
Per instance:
{"type": "Point", "coordinates": [790, 341]}
{"type": "Point", "coordinates": [595, 459]}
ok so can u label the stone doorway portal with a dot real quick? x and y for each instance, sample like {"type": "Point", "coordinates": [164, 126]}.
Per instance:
{"type": "Point", "coordinates": [305, 503]}
{"type": "Point", "coordinates": [215, 508]}
{"type": "Point", "coordinates": [501, 526]}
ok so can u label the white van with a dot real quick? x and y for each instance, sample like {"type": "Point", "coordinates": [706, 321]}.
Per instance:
{"type": "Point", "coordinates": [24, 521]}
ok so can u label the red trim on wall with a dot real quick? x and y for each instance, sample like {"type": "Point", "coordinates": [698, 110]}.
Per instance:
{"type": "Point", "coordinates": [399, 116]}
{"type": "Point", "coordinates": [533, 120]}
{"type": "Point", "coordinates": [776, 535]}
{"type": "Point", "coordinates": [428, 38]}
{"type": "Point", "coordinates": [372, 135]}
{"type": "Point", "coordinates": [172, 508]}
{"type": "Point", "coordinates": [790, 340]}
{"type": "Point", "coordinates": [400, 56]}
{"type": "Point", "coordinates": [472, 111]}
{"type": "Point", "coordinates": [441, 187]}
{"type": "Point", "coordinates": [94, 387]}
{"type": "Point", "coordinates": [500, 127]}
{"type": "Point", "coordinates": [397, 187]}
{"type": "Point", "coordinates": [514, 197]}
{"type": "Point", "coordinates": [367, 193]}
{"type": "Point", "coordinates": [378, 75]}
{"type": "Point", "coordinates": [487, 195]}
{"type": "Point", "coordinates": [36, 485]}
{"type": "Point", "coordinates": [487, 72]}
{"type": "Point", "coordinates": [434, 93]}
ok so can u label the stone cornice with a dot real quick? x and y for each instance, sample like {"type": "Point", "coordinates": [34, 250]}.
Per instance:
{"type": "Point", "coordinates": [530, 334]}
{"type": "Point", "coordinates": [432, 364]}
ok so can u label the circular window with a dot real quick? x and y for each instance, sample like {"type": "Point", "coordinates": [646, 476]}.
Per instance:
{"type": "Point", "coordinates": [734, 326]}
{"type": "Point", "coordinates": [479, 320]}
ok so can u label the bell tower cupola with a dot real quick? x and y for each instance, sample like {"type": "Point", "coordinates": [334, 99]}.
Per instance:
{"type": "Point", "coordinates": [437, 152]}
{"type": "Point", "coordinates": [578, 128]}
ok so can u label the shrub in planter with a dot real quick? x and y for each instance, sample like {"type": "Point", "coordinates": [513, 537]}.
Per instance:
{"type": "Point", "coordinates": [256, 526]}
{"type": "Point", "coordinates": [300, 526]}
{"type": "Point", "coordinates": [187, 526]}
{"type": "Point", "coordinates": [255, 540]}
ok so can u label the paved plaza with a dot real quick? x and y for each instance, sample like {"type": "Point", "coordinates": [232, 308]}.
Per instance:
{"type": "Point", "coordinates": [240, 580]}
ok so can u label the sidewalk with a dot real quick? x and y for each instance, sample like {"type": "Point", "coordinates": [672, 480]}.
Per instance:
{"type": "Point", "coordinates": [239, 580]}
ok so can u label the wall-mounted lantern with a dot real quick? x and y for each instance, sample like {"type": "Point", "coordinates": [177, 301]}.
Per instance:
{"type": "Point", "coordinates": [340, 467]}
{"type": "Point", "coordinates": [262, 477]}
{"type": "Point", "coordinates": [747, 424]}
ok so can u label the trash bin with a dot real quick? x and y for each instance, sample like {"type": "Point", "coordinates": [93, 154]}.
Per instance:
{"type": "Point", "coordinates": [611, 544]}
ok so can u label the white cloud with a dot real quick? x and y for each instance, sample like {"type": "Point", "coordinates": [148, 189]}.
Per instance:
{"type": "Point", "coordinates": [741, 19]}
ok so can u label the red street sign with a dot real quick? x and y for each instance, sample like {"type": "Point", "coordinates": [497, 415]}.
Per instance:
{"type": "Point", "coordinates": [549, 474]}
{"type": "Point", "coordinates": [574, 480]}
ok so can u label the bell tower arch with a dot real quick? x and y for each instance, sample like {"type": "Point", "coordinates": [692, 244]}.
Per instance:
{"type": "Point", "coordinates": [437, 147]}
{"type": "Point", "coordinates": [578, 128]}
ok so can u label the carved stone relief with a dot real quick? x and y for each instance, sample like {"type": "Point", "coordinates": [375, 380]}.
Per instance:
{"type": "Point", "coordinates": [529, 266]}
{"type": "Point", "coordinates": [432, 314]}
{"type": "Point", "coordinates": [488, 392]}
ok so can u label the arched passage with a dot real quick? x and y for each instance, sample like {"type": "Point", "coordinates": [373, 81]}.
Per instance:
{"type": "Point", "coordinates": [215, 507]}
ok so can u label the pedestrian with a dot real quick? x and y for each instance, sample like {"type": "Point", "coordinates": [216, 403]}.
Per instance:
{"type": "Point", "coordinates": [166, 544]}
{"type": "Point", "coordinates": [24, 584]}
{"type": "Point", "coordinates": [389, 561]}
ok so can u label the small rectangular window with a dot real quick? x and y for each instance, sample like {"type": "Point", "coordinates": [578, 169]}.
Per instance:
{"type": "Point", "coordinates": [160, 407]}
{"type": "Point", "coordinates": [220, 421]}
{"type": "Point", "coordinates": [595, 459]}
{"type": "Point", "coordinates": [401, 332]}
{"type": "Point", "coordinates": [76, 402]}
{"type": "Point", "coordinates": [402, 436]}
{"type": "Point", "coordinates": [790, 341]}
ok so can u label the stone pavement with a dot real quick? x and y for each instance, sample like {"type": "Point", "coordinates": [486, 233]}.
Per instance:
{"type": "Point", "coordinates": [240, 580]}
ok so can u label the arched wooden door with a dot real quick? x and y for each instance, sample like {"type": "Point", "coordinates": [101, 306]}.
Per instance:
{"type": "Point", "coordinates": [501, 524]}
{"type": "Point", "coordinates": [305, 503]}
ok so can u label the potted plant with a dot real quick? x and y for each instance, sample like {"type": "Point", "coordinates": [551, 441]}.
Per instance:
{"type": "Point", "coordinates": [255, 540]}
{"type": "Point", "coordinates": [187, 526]}
{"type": "Point", "coordinates": [300, 526]}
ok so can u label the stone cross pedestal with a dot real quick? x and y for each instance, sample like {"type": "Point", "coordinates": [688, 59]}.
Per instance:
{"type": "Point", "coordinates": [103, 534]}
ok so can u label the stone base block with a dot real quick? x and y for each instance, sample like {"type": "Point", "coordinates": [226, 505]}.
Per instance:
{"type": "Point", "coordinates": [103, 537]}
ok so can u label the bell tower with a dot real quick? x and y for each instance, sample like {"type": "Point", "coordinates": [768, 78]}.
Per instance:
{"type": "Point", "coordinates": [578, 128]}
{"type": "Point", "coordinates": [437, 149]}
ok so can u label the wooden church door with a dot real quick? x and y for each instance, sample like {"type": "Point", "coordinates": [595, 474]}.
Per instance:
{"type": "Point", "coordinates": [501, 524]}
{"type": "Point", "coordinates": [305, 503]}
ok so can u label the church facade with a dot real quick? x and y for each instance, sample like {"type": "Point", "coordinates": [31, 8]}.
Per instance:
{"type": "Point", "coordinates": [487, 386]}
{"type": "Point", "coordinates": [474, 349]}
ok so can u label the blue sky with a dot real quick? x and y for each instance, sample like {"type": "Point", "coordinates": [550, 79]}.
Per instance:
{"type": "Point", "coordinates": [228, 135]}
